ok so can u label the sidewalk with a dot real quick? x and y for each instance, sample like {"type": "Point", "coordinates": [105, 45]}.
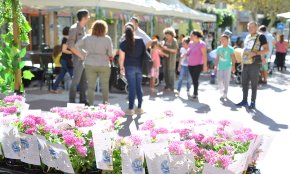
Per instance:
{"type": "Point", "coordinates": [270, 118]}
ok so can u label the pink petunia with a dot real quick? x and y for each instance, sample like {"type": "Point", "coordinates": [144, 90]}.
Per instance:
{"type": "Point", "coordinates": [13, 98]}
{"type": "Point", "coordinates": [225, 160]}
{"type": "Point", "coordinates": [148, 125]}
{"type": "Point", "coordinates": [175, 148]}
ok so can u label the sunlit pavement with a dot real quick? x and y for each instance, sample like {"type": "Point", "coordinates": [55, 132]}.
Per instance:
{"type": "Point", "coordinates": [271, 116]}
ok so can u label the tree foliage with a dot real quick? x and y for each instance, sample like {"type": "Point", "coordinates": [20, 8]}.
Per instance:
{"type": "Point", "coordinates": [270, 8]}
{"type": "Point", "coordinates": [16, 28]}
{"type": "Point", "coordinates": [225, 18]}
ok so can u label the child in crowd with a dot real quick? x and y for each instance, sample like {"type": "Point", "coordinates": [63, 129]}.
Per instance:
{"type": "Point", "coordinates": [155, 54]}
{"type": "Point", "coordinates": [225, 63]}
{"type": "Point", "coordinates": [56, 54]}
{"type": "Point", "coordinates": [183, 66]}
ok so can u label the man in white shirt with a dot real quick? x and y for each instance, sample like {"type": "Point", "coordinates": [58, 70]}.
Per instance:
{"type": "Point", "coordinates": [140, 33]}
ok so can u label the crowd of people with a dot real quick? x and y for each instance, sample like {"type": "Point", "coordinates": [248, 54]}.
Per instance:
{"type": "Point", "coordinates": [87, 57]}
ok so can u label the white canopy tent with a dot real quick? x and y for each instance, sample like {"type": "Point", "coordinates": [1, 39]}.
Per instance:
{"type": "Point", "coordinates": [284, 15]}
{"type": "Point", "coordinates": [136, 6]}
{"type": "Point", "coordinates": [188, 12]}
{"type": "Point", "coordinates": [165, 8]}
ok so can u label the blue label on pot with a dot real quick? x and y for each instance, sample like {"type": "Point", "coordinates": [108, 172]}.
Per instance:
{"type": "Point", "coordinates": [15, 147]}
{"type": "Point", "coordinates": [53, 153]}
{"type": "Point", "coordinates": [137, 166]}
{"type": "Point", "coordinates": [24, 143]}
{"type": "Point", "coordinates": [165, 167]}
{"type": "Point", "coordinates": [106, 157]}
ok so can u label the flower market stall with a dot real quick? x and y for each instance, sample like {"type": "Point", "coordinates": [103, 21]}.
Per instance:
{"type": "Point", "coordinates": [80, 139]}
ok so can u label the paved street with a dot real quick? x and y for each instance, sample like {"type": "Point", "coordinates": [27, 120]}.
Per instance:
{"type": "Point", "coordinates": [271, 117]}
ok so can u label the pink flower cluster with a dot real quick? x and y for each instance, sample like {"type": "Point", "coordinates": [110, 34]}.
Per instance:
{"type": "Point", "coordinates": [184, 133]}
{"type": "Point", "coordinates": [175, 148]}
{"type": "Point", "coordinates": [169, 113]}
{"type": "Point", "coordinates": [78, 142]}
{"type": "Point", "coordinates": [136, 140]}
{"type": "Point", "coordinates": [148, 125]}
{"type": "Point", "coordinates": [8, 110]}
{"type": "Point", "coordinates": [13, 98]}
{"type": "Point", "coordinates": [244, 135]}
{"type": "Point", "coordinates": [86, 117]}
{"type": "Point", "coordinates": [31, 122]}
{"type": "Point", "coordinates": [213, 158]}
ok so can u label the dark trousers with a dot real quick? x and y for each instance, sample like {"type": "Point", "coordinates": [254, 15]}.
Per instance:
{"type": "Point", "coordinates": [250, 73]}
{"type": "Point", "coordinates": [64, 69]}
{"type": "Point", "coordinates": [280, 60]}
{"type": "Point", "coordinates": [134, 78]}
{"type": "Point", "coordinates": [79, 78]}
{"type": "Point", "coordinates": [195, 73]}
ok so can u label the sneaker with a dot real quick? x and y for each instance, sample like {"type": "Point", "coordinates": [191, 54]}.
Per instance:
{"type": "Point", "coordinates": [252, 105]}
{"type": "Point", "coordinates": [225, 96]}
{"type": "Point", "coordinates": [130, 112]}
{"type": "Point", "coordinates": [242, 103]}
{"type": "Point", "coordinates": [139, 111]}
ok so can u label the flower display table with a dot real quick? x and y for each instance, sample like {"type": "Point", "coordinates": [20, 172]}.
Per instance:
{"type": "Point", "coordinates": [80, 139]}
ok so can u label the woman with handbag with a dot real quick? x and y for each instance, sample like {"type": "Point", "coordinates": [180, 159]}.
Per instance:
{"type": "Point", "coordinates": [65, 61]}
{"type": "Point", "coordinates": [132, 53]}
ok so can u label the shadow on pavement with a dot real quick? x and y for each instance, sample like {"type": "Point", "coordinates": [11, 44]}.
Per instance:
{"type": "Point", "coordinates": [125, 130]}
{"type": "Point", "coordinates": [268, 86]}
{"type": "Point", "coordinates": [258, 116]}
{"type": "Point", "coordinates": [228, 103]}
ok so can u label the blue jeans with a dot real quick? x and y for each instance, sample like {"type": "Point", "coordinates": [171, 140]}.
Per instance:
{"type": "Point", "coordinates": [63, 71]}
{"type": "Point", "coordinates": [184, 72]}
{"type": "Point", "coordinates": [134, 78]}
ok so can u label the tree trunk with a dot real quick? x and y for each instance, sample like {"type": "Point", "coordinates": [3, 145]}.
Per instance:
{"type": "Point", "coordinates": [272, 20]}
{"type": "Point", "coordinates": [254, 15]}
{"type": "Point", "coordinates": [17, 74]}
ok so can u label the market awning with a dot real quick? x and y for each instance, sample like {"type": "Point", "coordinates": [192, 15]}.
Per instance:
{"type": "Point", "coordinates": [136, 6]}
{"type": "Point", "coordinates": [172, 8]}
{"type": "Point", "coordinates": [188, 12]}
{"type": "Point", "coordinates": [284, 15]}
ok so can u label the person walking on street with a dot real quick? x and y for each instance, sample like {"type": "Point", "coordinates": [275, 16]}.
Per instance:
{"type": "Point", "coordinates": [132, 52]}
{"type": "Point", "coordinates": [65, 60]}
{"type": "Point", "coordinates": [170, 47]}
{"type": "Point", "coordinates": [99, 51]}
{"type": "Point", "coordinates": [281, 51]}
{"type": "Point", "coordinates": [252, 60]}
{"type": "Point", "coordinates": [183, 66]}
{"type": "Point", "coordinates": [225, 64]}
{"type": "Point", "coordinates": [197, 59]}
{"type": "Point", "coordinates": [139, 32]}
{"type": "Point", "coordinates": [265, 65]}
{"type": "Point", "coordinates": [77, 32]}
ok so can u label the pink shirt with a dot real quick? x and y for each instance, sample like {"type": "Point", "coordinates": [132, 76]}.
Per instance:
{"type": "Point", "coordinates": [155, 55]}
{"type": "Point", "coordinates": [281, 47]}
{"type": "Point", "coordinates": [194, 53]}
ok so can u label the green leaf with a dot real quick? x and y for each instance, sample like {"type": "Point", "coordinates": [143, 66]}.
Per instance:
{"type": "Point", "coordinates": [27, 75]}
{"type": "Point", "coordinates": [21, 64]}
{"type": "Point", "coordinates": [22, 53]}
